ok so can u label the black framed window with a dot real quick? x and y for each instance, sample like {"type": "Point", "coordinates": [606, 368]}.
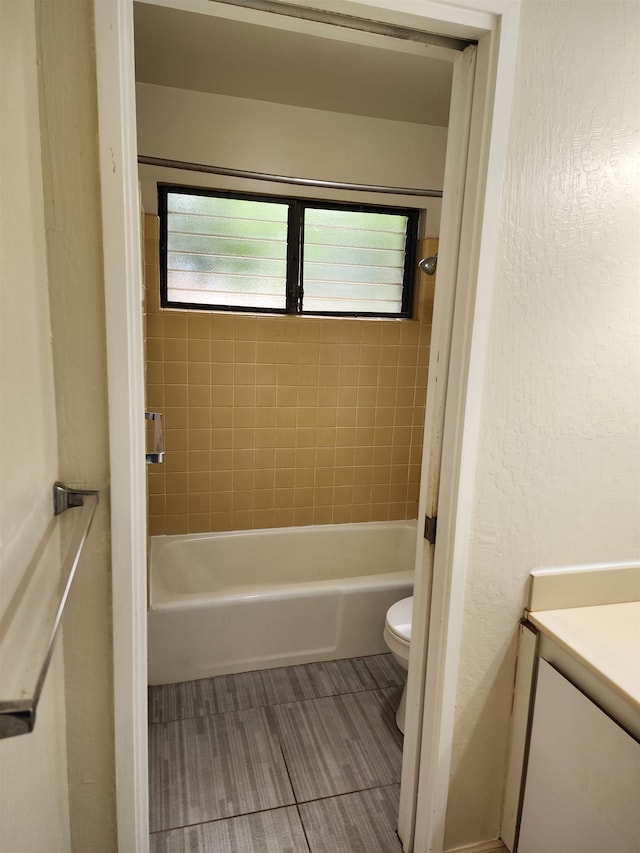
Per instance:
{"type": "Point", "coordinates": [237, 252]}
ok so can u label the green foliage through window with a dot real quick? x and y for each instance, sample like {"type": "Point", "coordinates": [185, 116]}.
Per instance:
{"type": "Point", "coordinates": [283, 255]}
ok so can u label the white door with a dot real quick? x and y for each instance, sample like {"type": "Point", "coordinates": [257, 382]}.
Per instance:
{"type": "Point", "coordinates": [448, 254]}
{"type": "Point", "coordinates": [123, 304]}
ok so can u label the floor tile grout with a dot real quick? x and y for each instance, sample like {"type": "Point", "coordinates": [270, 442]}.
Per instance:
{"type": "Point", "coordinates": [266, 704]}
{"type": "Point", "coordinates": [346, 793]}
{"type": "Point", "coordinates": [222, 819]}
{"type": "Point", "coordinates": [284, 756]}
{"type": "Point", "coordinates": [275, 808]}
{"type": "Point", "coordinates": [279, 733]}
{"type": "Point", "coordinates": [276, 704]}
{"type": "Point", "coordinates": [304, 829]}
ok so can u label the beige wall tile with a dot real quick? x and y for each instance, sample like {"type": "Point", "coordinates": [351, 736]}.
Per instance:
{"type": "Point", "coordinates": [198, 350]}
{"type": "Point", "coordinates": [199, 461]}
{"type": "Point", "coordinates": [303, 516]}
{"type": "Point", "coordinates": [221, 521]}
{"type": "Point", "coordinates": [176, 395]}
{"type": "Point", "coordinates": [174, 324]}
{"type": "Point", "coordinates": [155, 373]}
{"type": "Point", "coordinates": [342, 514]}
{"type": "Point", "coordinates": [274, 421]}
{"type": "Point", "coordinates": [175, 349]}
{"type": "Point", "coordinates": [157, 525]}
{"type": "Point", "coordinates": [199, 522]}
{"type": "Point", "coordinates": [198, 325]}
{"type": "Point", "coordinates": [243, 460]}
{"type": "Point", "coordinates": [283, 517]}
{"type": "Point", "coordinates": [263, 518]}
{"type": "Point", "coordinates": [176, 524]}
{"type": "Point", "coordinates": [322, 515]}
{"type": "Point", "coordinates": [176, 461]}
{"type": "Point", "coordinates": [265, 438]}
{"type": "Point", "coordinates": [198, 417]}
{"type": "Point", "coordinates": [199, 481]}
{"type": "Point", "coordinates": [222, 502]}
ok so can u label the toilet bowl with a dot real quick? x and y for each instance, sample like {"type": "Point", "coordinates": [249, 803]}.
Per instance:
{"type": "Point", "coordinates": [397, 636]}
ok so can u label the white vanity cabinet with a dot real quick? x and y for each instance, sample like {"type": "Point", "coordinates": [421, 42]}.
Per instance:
{"type": "Point", "coordinates": [582, 785]}
{"type": "Point", "coordinates": [573, 779]}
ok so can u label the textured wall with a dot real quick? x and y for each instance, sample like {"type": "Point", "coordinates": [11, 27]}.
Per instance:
{"type": "Point", "coordinates": [558, 479]}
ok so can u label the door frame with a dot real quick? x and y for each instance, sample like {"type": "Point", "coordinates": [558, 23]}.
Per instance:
{"type": "Point", "coordinates": [471, 319]}
{"type": "Point", "coordinates": [494, 23]}
{"type": "Point", "coordinates": [455, 180]}
{"type": "Point", "coordinates": [117, 140]}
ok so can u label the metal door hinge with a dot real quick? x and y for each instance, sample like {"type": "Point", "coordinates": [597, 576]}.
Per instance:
{"type": "Point", "coordinates": [430, 525]}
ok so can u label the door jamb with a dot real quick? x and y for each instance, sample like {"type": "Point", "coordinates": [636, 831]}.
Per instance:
{"type": "Point", "coordinates": [495, 74]}
{"type": "Point", "coordinates": [125, 375]}
{"type": "Point", "coordinates": [117, 142]}
{"type": "Point", "coordinates": [455, 176]}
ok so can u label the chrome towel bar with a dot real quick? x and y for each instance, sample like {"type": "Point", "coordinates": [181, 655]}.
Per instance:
{"type": "Point", "coordinates": [65, 498]}
{"type": "Point", "coordinates": [17, 716]}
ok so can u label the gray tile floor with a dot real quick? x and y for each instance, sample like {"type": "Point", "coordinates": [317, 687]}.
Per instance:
{"type": "Point", "coordinates": [301, 759]}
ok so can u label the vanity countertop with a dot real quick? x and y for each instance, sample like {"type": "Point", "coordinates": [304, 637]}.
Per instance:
{"type": "Point", "coordinates": [588, 620]}
{"type": "Point", "coordinates": [605, 638]}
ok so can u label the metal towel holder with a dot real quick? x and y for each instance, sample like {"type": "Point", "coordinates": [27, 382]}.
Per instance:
{"type": "Point", "coordinates": [18, 716]}
{"type": "Point", "coordinates": [157, 454]}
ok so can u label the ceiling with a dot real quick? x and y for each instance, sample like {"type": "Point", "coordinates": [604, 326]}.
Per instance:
{"type": "Point", "coordinates": [211, 53]}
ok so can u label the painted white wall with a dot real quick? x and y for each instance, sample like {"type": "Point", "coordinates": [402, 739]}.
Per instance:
{"type": "Point", "coordinates": [240, 133]}
{"type": "Point", "coordinates": [68, 109]}
{"type": "Point", "coordinates": [57, 785]}
{"type": "Point", "coordinates": [558, 477]}
{"type": "Point", "coordinates": [34, 806]}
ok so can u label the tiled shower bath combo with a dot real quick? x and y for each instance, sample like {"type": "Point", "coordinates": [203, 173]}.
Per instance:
{"type": "Point", "coordinates": [300, 759]}
{"type": "Point", "coordinates": [280, 422]}
{"type": "Point", "coordinates": [274, 421]}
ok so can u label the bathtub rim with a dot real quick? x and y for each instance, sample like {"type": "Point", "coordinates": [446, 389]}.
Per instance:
{"type": "Point", "coordinates": [175, 600]}
{"type": "Point", "coordinates": [195, 600]}
{"type": "Point", "coordinates": [163, 539]}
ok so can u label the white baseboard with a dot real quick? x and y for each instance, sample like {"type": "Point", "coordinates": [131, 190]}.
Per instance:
{"type": "Point", "coordinates": [481, 847]}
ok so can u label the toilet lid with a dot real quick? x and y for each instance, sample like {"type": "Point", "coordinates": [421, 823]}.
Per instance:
{"type": "Point", "coordinates": [399, 618]}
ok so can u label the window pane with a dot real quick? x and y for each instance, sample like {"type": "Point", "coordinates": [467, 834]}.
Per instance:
{"type": "Point", "coordinates": [353, 261]}
{"type": "Point", "coordinates": [232, 252]}
{"type": "Point", "coordinates": [226, 251]}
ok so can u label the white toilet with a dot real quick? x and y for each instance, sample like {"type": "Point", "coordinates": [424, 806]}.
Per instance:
{"type": "Point", "coordinates": [397, 636]}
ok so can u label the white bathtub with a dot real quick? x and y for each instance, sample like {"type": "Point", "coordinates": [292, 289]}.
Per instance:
{"type": "Point", "coordinates": [235, 602]}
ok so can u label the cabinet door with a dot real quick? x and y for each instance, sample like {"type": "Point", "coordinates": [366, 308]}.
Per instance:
{"type": "Point", "coordinates": [582, 790]}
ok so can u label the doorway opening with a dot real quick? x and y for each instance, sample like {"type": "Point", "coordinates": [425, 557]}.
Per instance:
{"type": "Point", "coordinates": [305, 421]}
{"type": "Point", "coordinates": [113, 28]}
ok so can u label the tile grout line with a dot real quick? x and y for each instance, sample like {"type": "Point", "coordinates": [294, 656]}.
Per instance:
{"type": "Point", "coordinates": [342, 793]}
{"type": "Point", "coordinates": [276, 704]}
{"type": "Point", "coordinates": [295, 805]}
{"type": "Point", "coordinates": [220, 819]}
{"type": "Point", "coordinates": [347, 793]}
{"type": "Point", "coordinates": [364, 659]}
{"type": "Point", "coordinates": [270, 720]}
{"type": "Point", "coordinates": [304, 829]}
{"type": "Point", "coordinates": [272, 724]}
{"type": "Point", "coordinates": [328, 796]}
